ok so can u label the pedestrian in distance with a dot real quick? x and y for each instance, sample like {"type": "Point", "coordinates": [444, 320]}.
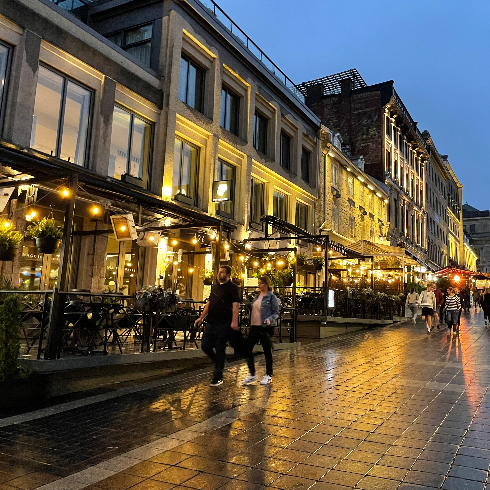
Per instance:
{"type": "Point", "coordinates": [458, 293]}
{"type": "Point", "coordinates": [265, 311]}
{"type": "Point", "coordinates": [428, 302]}
{"type": "Point", "coordinates": [476, 298]}
{"type": "Point", "coordinates": [453, 307]}
{"type": "Point", "coordinates": [485, 304]}
{"type": "Point", "coordinates": [221, 311]}
{"type": "Point", "coordinates": [413, 303]}
{"type": "Point", "coordinates": [439, 302]}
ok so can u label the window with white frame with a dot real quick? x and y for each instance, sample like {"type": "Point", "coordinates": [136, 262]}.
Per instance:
{"type": "Point", "coordinates": [280, 205]}
{"type": "Point", "coordinates": [130, 145]}
{"type": "Point", "coordinates": [61, 117]}
{"type": "Point", "coordinates": [186, 170]}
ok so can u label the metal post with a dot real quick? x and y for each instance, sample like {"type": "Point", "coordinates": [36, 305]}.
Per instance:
{"type": "Point", "coordinates": [372, 273]}
{"type": "Point", "coordinates": [325, 283]}
{"type": "Point", "coordinates": [55, 332]}
{"type": "Point", "coordinates": [293, 313]}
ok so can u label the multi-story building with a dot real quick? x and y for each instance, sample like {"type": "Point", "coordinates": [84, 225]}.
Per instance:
{"type": "Point", "coordinates": [156, 108]}
{"type": "Point", "coordinates": [456, 252]}
{"type": "Point", "coordinates": [476, 225]}
{"type": "Point", "coordinates": [352, 205]}
{"type": "Point", "coordinates": [436, 182]}
{"type": "Point", "coordinates": [374, 122]}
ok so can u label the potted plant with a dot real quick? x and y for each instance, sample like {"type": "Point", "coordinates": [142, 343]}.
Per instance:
{"type": "Point", "coordinates": [235, 276]}
{"type": "Point", "coordinates": [317, 263]}
{"type": "Point", "coordinates": [301, 259]}
{"type": "Point", "coordinates": [9, 240]}
{"type": "Point", "coordinates": [155, 298]}
{"type": "Point", "coordinates": [17, 386]}
{"type": "Point", "coordinates": [47, 233]}
{"type": "Point", "coordinates": [207, 277]}
{"type": "Point", "coordinates": [286, 276]}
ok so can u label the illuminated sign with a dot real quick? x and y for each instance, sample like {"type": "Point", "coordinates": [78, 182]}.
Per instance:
{"type": "Point", "coordinates": [124, 227]}
{"type": "Point", "coordinates": [222, 190]}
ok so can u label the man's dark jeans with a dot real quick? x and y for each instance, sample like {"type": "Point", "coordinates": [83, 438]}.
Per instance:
{"type": "Point", "coordinates": [214, 345]}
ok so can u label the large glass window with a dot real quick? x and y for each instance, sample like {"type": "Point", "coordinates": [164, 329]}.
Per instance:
{"type": "Point", "coordinates": [230, 110]}
{"type": "Point", "coordinates": [186, 166]}
{"type": "Point", "coordinates": [260, 133]}
{"type": "Point", "coordinates": [257, 193]}
{"type": "Point", "coordinates": [61, 117]}
{"type": "Point", "coordinates": [305, 165]}
{"type": "Point", "coordinates": [4, 61]}
{"type": "Point", "coordinates": [226, 171]}
{"type": "Point", "coordinates": [285, 151]}
{"type": "Point", "coordinates": [280, 205]}
{"type": "Point", "coordinates": [191, 84]}
{"type": "Point", "coordinates": [130, 145]}
{"type": "Point", "coordinates": [135, 41]}
{"type": "Point", "coordinates": [302, 215]}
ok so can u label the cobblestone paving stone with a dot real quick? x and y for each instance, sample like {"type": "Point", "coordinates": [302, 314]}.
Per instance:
{"type": "Point", "coordinates": [387, 408]}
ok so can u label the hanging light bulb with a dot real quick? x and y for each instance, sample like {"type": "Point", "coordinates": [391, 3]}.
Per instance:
{"type": "Point", "coordinates": [174, 243]}
{"type": "Point", "coordinates": [256, 264]}
{"type": "Point", "coordinates": [194, 241]}
{"type": "Point", "coordinates": [227, 246]}
{"type": "Point", "coordinates": [248, 246]}
{"type": "Point", "coordinates": [65, 192]}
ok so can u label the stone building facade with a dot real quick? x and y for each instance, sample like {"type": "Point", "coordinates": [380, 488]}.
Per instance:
{"type": "Point", "coordinates": [477, 228]}
{"type": "Point", "coordinates": [160, 102]}
{"type": "Point", "coordinates": [374, 123]}
{"type": "Point", "coordinates": [352, 205]}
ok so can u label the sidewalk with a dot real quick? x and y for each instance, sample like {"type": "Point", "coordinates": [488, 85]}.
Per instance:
{"type": "Point", "coordinates": [388, 408]}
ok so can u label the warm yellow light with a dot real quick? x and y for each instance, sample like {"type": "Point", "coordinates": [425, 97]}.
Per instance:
{"type": "Point", "coordinates": [280, 262]}
{"type": "Point", "coordinates": [174, 242]}
{"type": "Point", "coordinates": [269, 265]}
{"type": "Point", "coordinates": [123, 228]}
{"type": "Point", "coordinates": [212, 236]}
{"type": "Point", "coordinates": [370, 187]}
{"type": "Point", "coordinates": [33, 214]}
{"type": "Point", "coordinates": [176, 263]}
{"type": "Point", "coordinates": [65, 192]}
{"type": "Point", "coordinates": [318, 249]}
{"type": "Point", "coordinates": [256, 263]}
{"type": "Point", "coordinates": [242, 258]}
{"type": "Point", "coordinates": [227, 246]}
{"type": "Point", "coordinates": [151, 238]}
{"type": "Point", "coordinates": [378, 194]}
{"type": "Point", "coordinates": [456, 278]}
{"type": "Point", "coordinates": [95, 210]}
{"type": "Point", "coordinates": [129, 264]}
{"type": "Point", "coordinates": [194, 241]}
{"type": "Point", "coordinates": [191, 270]}
{"type": "Point", "coordinates": [7, 224]}
{"type": "Point", "coordinates": [360, 178]}
{"type": "Point", "coordinates": [330, 252]}
{"type": "Point", "coordinates": [167, 191]}
{"type": "Point", "coordinates": [330, 154]}
{"type": "Point", "coordinates": [248, 246]}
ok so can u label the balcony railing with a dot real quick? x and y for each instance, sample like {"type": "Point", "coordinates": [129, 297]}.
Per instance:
{"type": "Point", "coordinates": [225, 20]}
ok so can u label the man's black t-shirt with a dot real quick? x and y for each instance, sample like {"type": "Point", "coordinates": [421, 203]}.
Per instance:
{"type": "Point", "coordinates": [221, 302]}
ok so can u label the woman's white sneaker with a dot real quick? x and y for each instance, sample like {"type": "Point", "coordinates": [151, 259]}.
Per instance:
{"type": "Point", "coordinates": [249, 380]}
{"type": "Point", "coordinates": [266, 380]}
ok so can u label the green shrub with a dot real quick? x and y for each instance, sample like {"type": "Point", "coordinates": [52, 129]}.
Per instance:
{"type": "Point", "coordinates": [416, 286]}
{"type": "Point", "coordinates": [10, 325]}
{"type": "Point", "coordinates": [9, 237]}
{"type": "Point", "coordinates": [44, 228]}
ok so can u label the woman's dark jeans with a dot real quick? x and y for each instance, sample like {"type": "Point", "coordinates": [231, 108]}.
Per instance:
{"type": "Point", "coordinates": [264, 334]}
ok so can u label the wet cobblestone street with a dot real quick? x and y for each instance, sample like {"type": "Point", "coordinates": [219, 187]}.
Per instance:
{"type": "Point", "coordinates": [386, 408]}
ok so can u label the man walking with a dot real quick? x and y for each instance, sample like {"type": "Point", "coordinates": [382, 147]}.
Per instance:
{"type": "Point", "coordinates": [221, 312]}
{"type": "Point", "coordinates": [439, 302]}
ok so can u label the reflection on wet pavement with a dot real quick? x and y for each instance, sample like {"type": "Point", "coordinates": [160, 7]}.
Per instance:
{"type": "Point", "coordinates": [387, 408]}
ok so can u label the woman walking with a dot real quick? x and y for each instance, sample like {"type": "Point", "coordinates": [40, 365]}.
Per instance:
{"type": "Point", "coordinates": [485, 304]}
{"type": "Point", "coordinates": [265, 310]}
{"type": "Point", "coordinates": [413, 303]}
{"type": "Point", "coordinates": [428, 303]}
{"type": "Point", "coordinates": [453, 306]}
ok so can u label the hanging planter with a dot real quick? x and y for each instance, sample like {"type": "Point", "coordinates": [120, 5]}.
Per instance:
{"type": "Point", "coordinates": [9, 240]}
{"type": "Point", "coordinates": [317, 263]}
{"type": "Point", "coordinates": [47, 233]}
{"type": "Point", "coordinates": [301, 260]}
{"type": "Point", "coordinates": [47, 244]}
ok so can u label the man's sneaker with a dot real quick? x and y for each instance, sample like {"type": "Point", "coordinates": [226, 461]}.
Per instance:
{"type": "Point", "coordinates": [216, 382]}
{"type": "Point", "coordinates": [266, 380]}
{"type": "Point", "coordinates": [249, 380]}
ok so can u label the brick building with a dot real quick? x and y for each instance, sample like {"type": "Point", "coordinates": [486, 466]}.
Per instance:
{"type": "Point", "coordinates": [374, 123]}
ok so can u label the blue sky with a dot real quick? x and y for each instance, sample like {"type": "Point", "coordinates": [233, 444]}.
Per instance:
{"type": "Point", "coordinates": [436, 51]}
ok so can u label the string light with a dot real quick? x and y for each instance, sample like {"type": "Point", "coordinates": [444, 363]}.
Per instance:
{"type": "Point", "coordinates": [191, 270]}
{"type": "Point", "coordinates": [227, 246]}
{"type": "Point", "coordinates": [151, 238]}
{"type": "Point", "coordinates": [194, 241]}
{"type": "Point", "coordinates": [95, 210]}
{"type": "Point", "coordinates": [242, 258]}
{"type": "Point", "coordinates": [174, 242]}
{"type": "Point", "coordinates": [256, 263]}
{"type": "Point", "coordinates": [248, 246]}
{"type": "Point", "coordinates": [65, 192]}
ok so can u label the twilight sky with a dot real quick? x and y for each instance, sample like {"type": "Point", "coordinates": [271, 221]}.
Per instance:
{"type": "Point", "coordinates": [436, 51]}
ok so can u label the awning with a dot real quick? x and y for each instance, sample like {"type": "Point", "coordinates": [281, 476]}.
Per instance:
{"type": "Point", "coordinates": [46, 168]}
{"type": "Point", "coordinates": [380, 250]}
